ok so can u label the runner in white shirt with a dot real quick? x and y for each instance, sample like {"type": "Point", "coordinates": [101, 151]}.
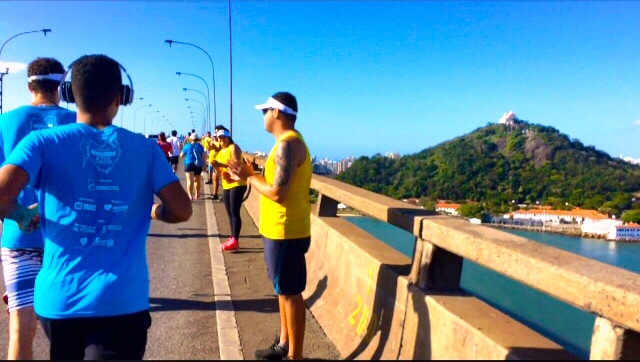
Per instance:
{"type": "Point", "coordinates": [176, 147]}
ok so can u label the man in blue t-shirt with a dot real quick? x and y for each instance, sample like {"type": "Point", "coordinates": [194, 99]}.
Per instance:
{"type": "Point", "coordinates": [22, 251]}
{"type": "Point", "coordinates": [92, 294]}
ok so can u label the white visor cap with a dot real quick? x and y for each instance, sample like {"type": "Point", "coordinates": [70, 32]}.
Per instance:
{"type": "Point", "coordinates": [273, 103]}
{"type": "Point", "coordinates": [53, 76]}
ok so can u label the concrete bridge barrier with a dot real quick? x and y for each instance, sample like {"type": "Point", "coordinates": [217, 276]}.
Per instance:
{"type": "Point", "coordinates": [375, 303]}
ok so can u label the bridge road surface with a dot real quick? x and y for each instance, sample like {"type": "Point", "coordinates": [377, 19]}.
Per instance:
{"type": "Point", "coordinates": [183, 303]}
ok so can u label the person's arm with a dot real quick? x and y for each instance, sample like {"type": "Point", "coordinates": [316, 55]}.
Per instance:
{"type": "Point", "coordinates": [289, 156]}
{"type": "Point", "coordinates": [12, 180]}
{"type": "Point", "coordinates": [175, 204]}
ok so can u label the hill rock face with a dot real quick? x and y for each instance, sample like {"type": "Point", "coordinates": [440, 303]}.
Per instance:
{"type": "Point", "coordinates": [500, 165]}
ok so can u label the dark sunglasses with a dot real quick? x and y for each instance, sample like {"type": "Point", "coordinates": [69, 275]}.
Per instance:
{"type": "Point", "coordinates": [264, 111]}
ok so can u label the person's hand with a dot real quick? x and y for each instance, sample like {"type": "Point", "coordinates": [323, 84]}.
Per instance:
{"type": "Point", "coordinates": [240, 170]}
{"type": "Point", "coordinates": [28, 218]}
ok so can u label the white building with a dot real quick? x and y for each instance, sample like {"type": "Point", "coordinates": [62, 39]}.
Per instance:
{"type": "Point", "coordinates": [507, 118]}
{"type": "Point", "coordinates": [449, 208]}
{"type": "Point", "coordinates": [599, 226]}
{"type": "Point", "coordinates": [547, 215]}
{"type": "Point", "coordinates": [629, 231]}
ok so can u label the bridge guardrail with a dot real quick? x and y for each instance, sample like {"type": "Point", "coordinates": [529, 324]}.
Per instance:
{"type": "Point", "coordinates": [442, 242]}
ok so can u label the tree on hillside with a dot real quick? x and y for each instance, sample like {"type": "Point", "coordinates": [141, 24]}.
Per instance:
{"type": "Point", "coordinates": [631, 216]}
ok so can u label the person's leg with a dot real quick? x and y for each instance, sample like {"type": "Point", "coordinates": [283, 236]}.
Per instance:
{"type": "Point", "coordinates": [189, 177]}
{"type": "Point", "coordinates": [122, 337]}
{"type": "Point", "coordinates": [210, 174]}
{"type": "Point", "coordinates": [236, 195]}
{"type": "Point", "coordinates": [22, 331]}
{"type": "Point", "coordinates": [198, 185]}
{"type": "Point", "coordinates": [20, 268]}
{"type": "Point", "coordinates": [292, 280]}
{"type": "Point", "coordinates": [66, 337]}
{"type": "Point", "coordinates": [226, 198]}
{"type": "Point", "coordinates": [295, 319]}
{"type": "Point", "coordinates": [216, 184]}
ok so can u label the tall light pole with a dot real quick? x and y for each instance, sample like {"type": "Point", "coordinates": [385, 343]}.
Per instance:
{"type": "Point", "coordinates": [121, 109]}
{"type": "Point", "coordinates": [193, 100]}
{"type": "Point", "coordinates": [154, 119]}
{"type": "Point", "coordinates": [213, 74]}
{"type": "Point", "coordinates": [230, 75]}
{"type": "Point", "coordinates": [195, 90]}
{"type": "Point", "coordinates": [144, 124]}
{"type": "Point", "coordinates": [136, 113]}
{"type": "Point", "coordinates": [208, 98]}
{"type": "Point", "coordinates": [44, 31]}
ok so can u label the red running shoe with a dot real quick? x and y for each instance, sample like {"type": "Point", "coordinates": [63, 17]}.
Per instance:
{"type": "Point", "coordinates": [231, 245]}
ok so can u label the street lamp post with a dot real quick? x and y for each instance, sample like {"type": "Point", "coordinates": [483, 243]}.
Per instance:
{"type": "Point", "coordinates": [208, 98]}
{"type": "Point", "coordinates": [195, 90]}
{"type": "Point", "coordinates": [193, 100]}
{"type": "Point", "coordinates": [153, 121]}
{"type": "Point", "coordinates": [213, 74]}
{"type": "Point", "coordinates": [144, 124]}
{"type": "Point", "coordinates": [44, 31]}
{"type": "Point", "coordinates": [121, 109]}
{"type": "Point", "coordinates": [136, 113]}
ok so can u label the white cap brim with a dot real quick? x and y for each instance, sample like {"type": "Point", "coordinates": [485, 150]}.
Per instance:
{"type": "Point", "coordinates": [273, 103]}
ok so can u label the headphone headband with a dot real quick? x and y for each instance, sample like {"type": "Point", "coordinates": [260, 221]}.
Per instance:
{"type": "Point", "coordinates": [66, 92]}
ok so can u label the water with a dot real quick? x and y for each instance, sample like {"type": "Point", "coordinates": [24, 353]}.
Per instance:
{"type": "Point", "coordinates": [568, 326]}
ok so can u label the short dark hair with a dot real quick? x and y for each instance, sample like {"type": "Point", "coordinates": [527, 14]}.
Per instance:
{"type": "Point", "coordinates": [174, 133]}
{"type": "Point", "coordinates": [288, 100]}
{"type": "Point", "coordinates": [44, 66]}
{"type": "Point", "coordinates": [162, 136]}
{"type": "Point", "coordinates": [220, 127]}
{"type": "Point", "coordinates": [95, 82]}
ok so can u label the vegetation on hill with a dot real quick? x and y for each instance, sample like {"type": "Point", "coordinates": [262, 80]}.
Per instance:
{"type": "Point", "coordinates": [500, 166]}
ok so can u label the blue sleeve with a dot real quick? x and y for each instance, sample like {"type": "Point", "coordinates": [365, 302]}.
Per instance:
{"type": "Point", "coordinates": [161, 171]}
{"type": "Point", "coordinates": [28, 155]}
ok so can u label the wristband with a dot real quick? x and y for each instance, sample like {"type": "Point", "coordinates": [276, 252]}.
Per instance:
{"type": "Point", "coordinates": [25, 216]}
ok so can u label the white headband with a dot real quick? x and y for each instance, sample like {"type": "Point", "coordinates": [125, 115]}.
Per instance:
{"type": "Point", "coordinates": [274, 103]}
{"type": "Point", "coordinates": [56, 77]}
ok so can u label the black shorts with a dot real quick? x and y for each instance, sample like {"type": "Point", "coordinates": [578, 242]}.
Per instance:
{"type": "Point", "coordinates": [191, 167]}
{"type": "Point", "coordinates": [174, 160]}
{"type": "Point", "coordinates": [286, 264]}
{"type": "Point", "coordinates": [122, 337]}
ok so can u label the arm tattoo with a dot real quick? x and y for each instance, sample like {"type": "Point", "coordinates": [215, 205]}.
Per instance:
{"type": "Point", "coordinates": [285, 164]}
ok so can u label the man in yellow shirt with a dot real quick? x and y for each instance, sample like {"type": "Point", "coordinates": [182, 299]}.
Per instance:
{"type": "Point", "coordinates": [285, 221]}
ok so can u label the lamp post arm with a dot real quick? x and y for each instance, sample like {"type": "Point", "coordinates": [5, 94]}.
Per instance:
{"type": "Point", "coordinates": [45, 31]}
{"type": "Point", "coordinates": [213, 73]}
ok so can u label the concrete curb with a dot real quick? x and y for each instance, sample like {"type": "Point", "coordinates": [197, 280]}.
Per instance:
{"type": "Point", "coordinates": [228, 335]}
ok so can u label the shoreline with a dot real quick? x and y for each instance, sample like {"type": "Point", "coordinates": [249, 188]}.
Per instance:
{"type": "Point", "coordinates": [564, 230]}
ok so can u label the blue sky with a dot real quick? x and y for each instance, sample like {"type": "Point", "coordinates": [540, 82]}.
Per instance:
{"type": "Point", "coordinates": [370, 77]}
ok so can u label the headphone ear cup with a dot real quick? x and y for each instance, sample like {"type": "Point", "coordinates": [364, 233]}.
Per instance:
{"type": "Point", "coordinates": [126, 95]}
{"type": "Point", "coordinates": [66, 93]}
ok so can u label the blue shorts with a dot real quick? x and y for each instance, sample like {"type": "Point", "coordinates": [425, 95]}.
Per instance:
{"type": "Point", "coordinates": [286, 264]}
{"type": "Point", "coordinates": [20, 268]}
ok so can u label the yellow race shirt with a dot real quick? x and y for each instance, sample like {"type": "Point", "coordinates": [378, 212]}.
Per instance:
{"type": "Point", "coordinates": [290, 219]}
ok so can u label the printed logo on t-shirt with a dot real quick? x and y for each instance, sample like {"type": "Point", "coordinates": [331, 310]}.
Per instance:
{"type": "Point", "coordinates": [37, 123]}
{"type": "Point", "coordinates": [104, 157]}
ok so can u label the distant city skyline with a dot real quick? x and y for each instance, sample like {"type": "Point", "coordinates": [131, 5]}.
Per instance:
{"type": "Point", "coordinates": [370, 76]}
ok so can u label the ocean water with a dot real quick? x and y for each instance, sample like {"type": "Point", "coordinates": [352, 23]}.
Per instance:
{"type": "Point", "coordinates": [568, 326]}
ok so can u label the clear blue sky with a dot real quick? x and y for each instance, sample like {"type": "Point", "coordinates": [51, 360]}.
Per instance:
{"type": "Point", "coordinates": [370, 77]}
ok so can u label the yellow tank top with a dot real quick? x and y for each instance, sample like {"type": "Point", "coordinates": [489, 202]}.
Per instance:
{"type": "Point", "coordinates": [292, 218]}
{"type": "Point", "coordinates": [223, 157]}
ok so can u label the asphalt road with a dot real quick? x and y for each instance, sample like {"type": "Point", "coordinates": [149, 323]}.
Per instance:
{"type": "Point", "coordinates": [183, 300]}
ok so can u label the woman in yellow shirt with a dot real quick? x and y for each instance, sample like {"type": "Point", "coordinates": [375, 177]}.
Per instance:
{"type": "Point", "coordinates": [232, 190]}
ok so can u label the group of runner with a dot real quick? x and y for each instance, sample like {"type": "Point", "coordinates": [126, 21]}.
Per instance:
{"type": "Point", "coordinates": [83, 275]}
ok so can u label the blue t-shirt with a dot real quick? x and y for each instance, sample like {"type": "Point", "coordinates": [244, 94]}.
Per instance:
{"type": "Point", "coordinates": [96, 189]}
{"type": "Point", "coordinates": [190, 150]}
{"type": "Point", "coordinates": [14, 126]}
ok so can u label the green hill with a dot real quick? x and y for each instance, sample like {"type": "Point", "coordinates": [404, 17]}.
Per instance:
{"type": "Point", "coordinates": [500, 165]}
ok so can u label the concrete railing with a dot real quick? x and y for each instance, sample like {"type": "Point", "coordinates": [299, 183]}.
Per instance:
{"type": "Point", "coordinates": [375, 303]}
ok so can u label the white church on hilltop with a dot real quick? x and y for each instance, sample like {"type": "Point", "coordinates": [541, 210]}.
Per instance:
{"type": "Point", "coordinates": [508, 118]}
